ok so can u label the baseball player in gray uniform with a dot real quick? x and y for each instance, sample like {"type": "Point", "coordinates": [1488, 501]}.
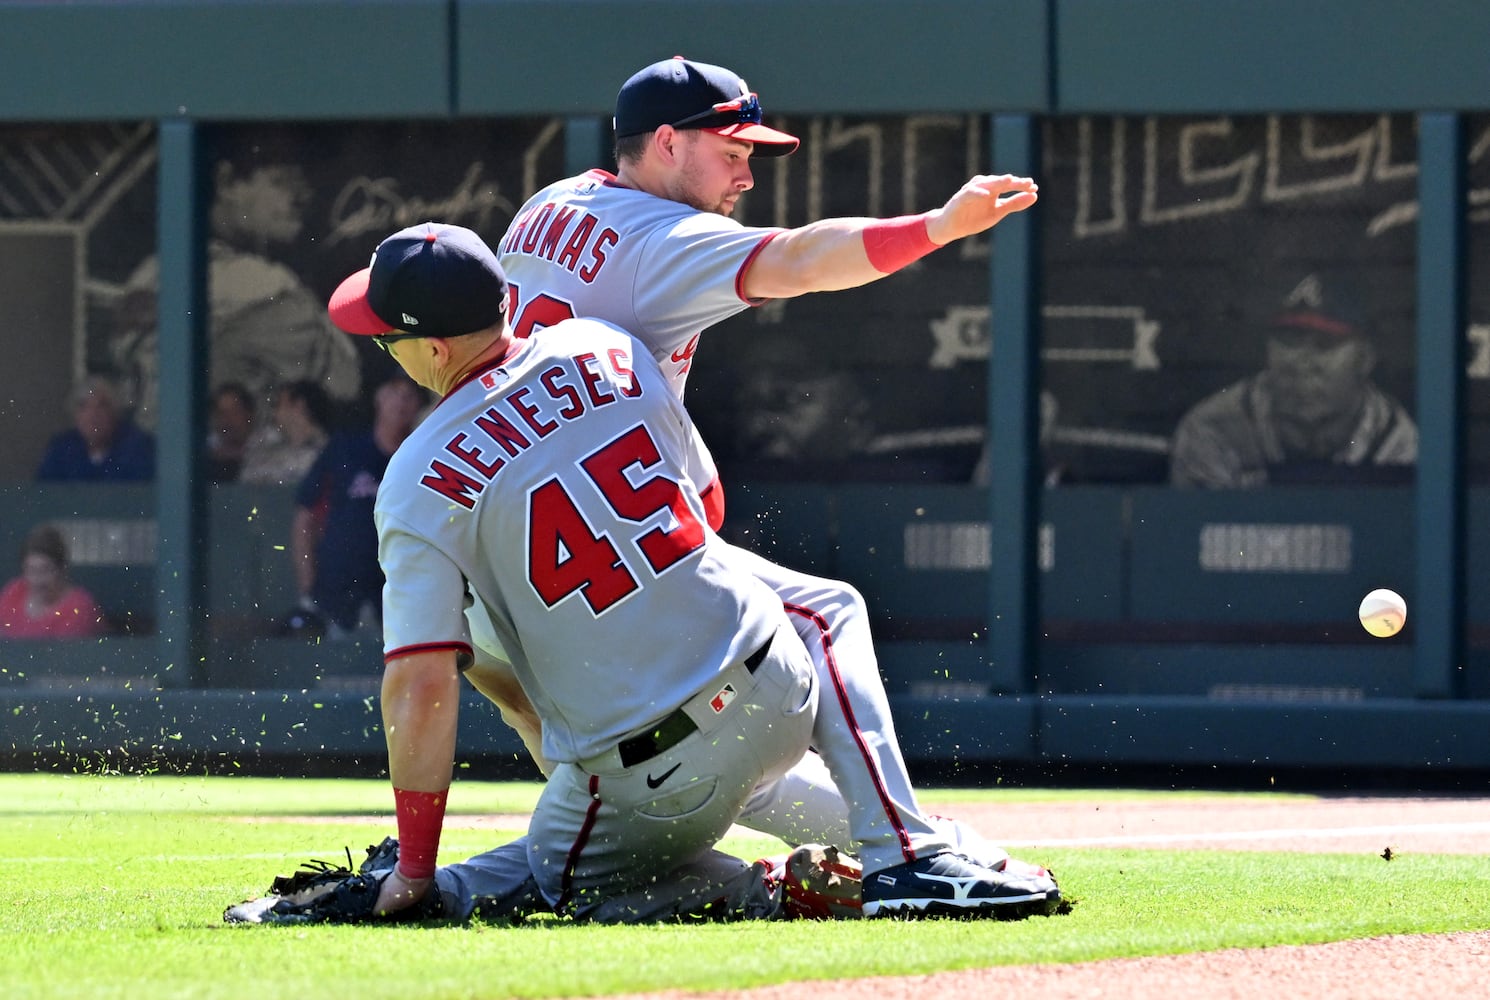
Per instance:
{"type": "Point", "coordinates": [652, 249]}
{"type": "Point", "coordinates": [554, 484]}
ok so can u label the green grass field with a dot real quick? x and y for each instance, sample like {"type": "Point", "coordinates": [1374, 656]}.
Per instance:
{"type": "Point", "coordinates": [115, 887]}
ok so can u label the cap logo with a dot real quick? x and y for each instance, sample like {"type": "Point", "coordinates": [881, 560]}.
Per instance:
{"type": "Point", "coordinates": [409, 320]}
{"type": "Point", "coordinates": [1308, 293]}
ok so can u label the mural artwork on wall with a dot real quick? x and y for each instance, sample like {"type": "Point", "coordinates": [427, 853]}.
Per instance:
{"type": "Point", "coordinates": [1225, 300]}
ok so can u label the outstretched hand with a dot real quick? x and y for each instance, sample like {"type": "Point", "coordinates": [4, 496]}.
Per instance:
{"type": "Point", "coordinates": [399, 892]}
{"type": "Point", "coordinates": [980, 204]}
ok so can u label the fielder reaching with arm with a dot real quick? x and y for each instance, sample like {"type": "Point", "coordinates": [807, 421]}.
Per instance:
{"type": "Point", "coordinates": [652, 248]}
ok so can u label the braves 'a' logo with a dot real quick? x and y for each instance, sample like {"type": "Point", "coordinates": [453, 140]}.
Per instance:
{"type": "Point", "coordinates": [684, 355]}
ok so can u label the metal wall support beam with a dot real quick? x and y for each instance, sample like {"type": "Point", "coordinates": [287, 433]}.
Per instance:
{"type": "Point", "coordinates": [1438, 606]}
{"type": "Point", "coordinates": [180, 579]}
{"type": "Point", "coordinates": [1013, 412]}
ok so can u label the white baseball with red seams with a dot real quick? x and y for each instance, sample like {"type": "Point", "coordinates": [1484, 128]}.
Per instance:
{"type": "Point", "coordinates": [1383, 613]}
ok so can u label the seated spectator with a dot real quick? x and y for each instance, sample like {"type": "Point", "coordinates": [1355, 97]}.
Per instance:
{"type": "Point", "coordinates": [1312, 415]}
{"type": "Point", "coordinates": [42, 603]}
{"type": "Point", "coordinates": [232, 426]}
{"type": "Point", "coordinates": [103, 444]}
{"type": "Point", "coordinates": [282, 454]}
{"type": "Point", "coordinates": [334, 541]}
{"type": "Point", "coordinates": [797, 418]}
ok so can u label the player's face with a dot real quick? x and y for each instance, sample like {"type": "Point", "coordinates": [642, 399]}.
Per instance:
{"type": "Point", "coordinates": [713, 172]}
{"type": "Point", "coordinates": [1317, 377]}
{"type": "Point", "coordinates": [43, 576]}
{"type": "Point", "coordinates": [232, 421]}
{"type": "Point", "coordinates": [96, 420]}
{"type": "Point", "coordinates": [390, 398]}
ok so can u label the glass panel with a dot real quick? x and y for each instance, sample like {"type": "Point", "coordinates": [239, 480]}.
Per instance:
{"type": "Point", "coordinates": [886, 382]}
{"type": "Point", "coordinates": [1477, 140]}
{"type": "Point", "coordinates": [1184, 257]}
{"type": "Point", "coordinates": [294, 402]}
{"type": "Point", "coordinates": [1228, 338]}
{"type": "Point", "coordinates": [77, 528]}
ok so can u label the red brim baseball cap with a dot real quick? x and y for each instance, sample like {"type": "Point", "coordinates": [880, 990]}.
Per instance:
{"type": "Point", "coordinates": [693, 95]}
{"type": "Point", "coordinates": [768, 141]}
{"type": "Point", "coordinates": [349, 309]}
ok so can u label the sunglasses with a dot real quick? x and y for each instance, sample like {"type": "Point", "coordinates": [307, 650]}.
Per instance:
{"type": "Point", "coordinates": [383, 340]}
{"type": "Point", "coordinates": [740, 111]}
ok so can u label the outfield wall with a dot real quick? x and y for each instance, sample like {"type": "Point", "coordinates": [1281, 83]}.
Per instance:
{"type": "Point", "coordinates": [1069, 607]}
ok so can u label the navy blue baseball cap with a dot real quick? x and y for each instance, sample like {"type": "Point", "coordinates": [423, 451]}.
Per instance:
{"type": "Point", "coordinates": [431, 279]}
{"type": "Point", "coordinates": [1321, 308]}
{"type": "Point", "coordinates": [693, 95]}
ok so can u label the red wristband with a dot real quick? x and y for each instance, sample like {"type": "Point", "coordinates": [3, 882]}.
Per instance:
{"type": "Point", "coordinates": [421, 815]}
{"type": "Point", "coordinates": [893, 243]}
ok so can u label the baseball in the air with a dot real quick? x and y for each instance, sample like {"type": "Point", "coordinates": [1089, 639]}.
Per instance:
{"type": "Point", "coordinates": [1383, 613]}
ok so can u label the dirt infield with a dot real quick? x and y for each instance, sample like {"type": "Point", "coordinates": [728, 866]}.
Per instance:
{"type": "Point", "coordinates": [1416, 824]}
{"type": "Point", "coordinates": [1384, 968]}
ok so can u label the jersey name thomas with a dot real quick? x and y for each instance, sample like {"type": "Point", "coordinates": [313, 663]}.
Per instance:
{"type": "Point", "coordinates": [540, 230]}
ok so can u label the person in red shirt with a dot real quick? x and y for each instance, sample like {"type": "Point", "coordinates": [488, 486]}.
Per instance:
{"type": "Point", "coordinates": [42, 603]}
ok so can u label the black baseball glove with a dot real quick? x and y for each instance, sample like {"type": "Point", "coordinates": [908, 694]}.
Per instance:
{"type": "Point", "coordinates": [321, 892]}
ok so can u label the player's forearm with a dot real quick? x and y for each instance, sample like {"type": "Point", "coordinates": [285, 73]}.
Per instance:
{"type": "Point", "coordinates": [822, 256]}
{"type": "Point", "coordinates": [421, 699]}
{"type": "Point", "coordinates": [500, 686]}
{"type": "Point", "coordinates": [530, 730]}
{"type": "Point", "coordinates": [845, 253]}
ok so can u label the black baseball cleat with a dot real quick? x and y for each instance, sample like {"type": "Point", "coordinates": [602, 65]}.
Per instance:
{"type": "Point", "coordinates": [948, 884]}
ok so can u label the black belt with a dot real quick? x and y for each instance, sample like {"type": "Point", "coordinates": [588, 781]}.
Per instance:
{"type": "Point", "coordinates": [676, 727]}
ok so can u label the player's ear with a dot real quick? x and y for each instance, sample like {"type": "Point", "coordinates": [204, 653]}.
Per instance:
{"type": "Point", "coordinates": [665, 141]}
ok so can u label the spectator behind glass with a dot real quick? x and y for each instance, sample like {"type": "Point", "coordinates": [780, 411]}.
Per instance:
{"type": "Point", "coordinates": [281, 455]}
{"type": "Point", "coordinates": [42, 603]}
{"type": "Point", "coordinates": [1313, 415]}
{"type": "Point", "coordinates": [232, 424]}
{"type": "Point", "coordinates": [334, 541]}
{"type": "Point", "coordinates": [103, 445]}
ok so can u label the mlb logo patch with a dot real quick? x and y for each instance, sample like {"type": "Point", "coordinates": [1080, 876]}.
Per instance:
{"type": "Point", "coordinates": [721, 700]}
{"type": "Point", "coordinates": [488, 381]}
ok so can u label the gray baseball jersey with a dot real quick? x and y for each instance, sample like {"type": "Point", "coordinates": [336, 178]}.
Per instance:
{"type": "Point", "coordinates": [589, 246]}
{"type": "Point", "coordinates": [548, 482]}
